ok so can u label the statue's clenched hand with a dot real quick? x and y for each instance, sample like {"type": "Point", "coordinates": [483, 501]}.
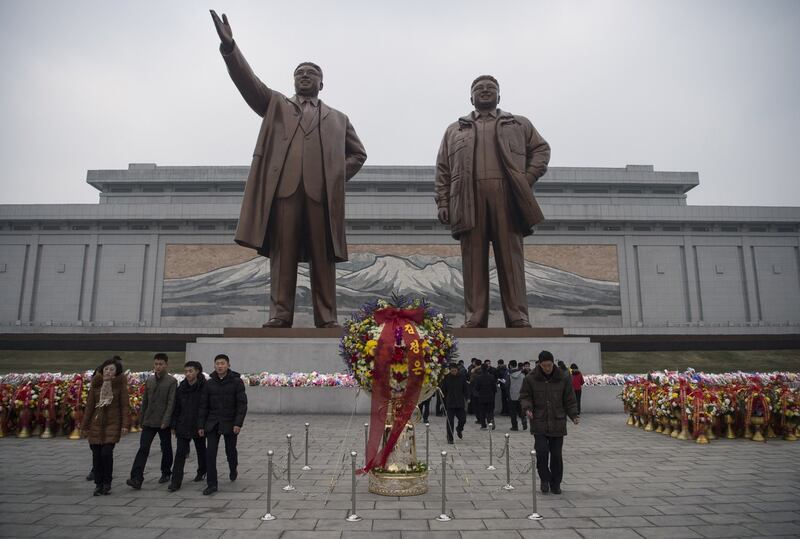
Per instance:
{"type": "Point", "coordinates": [444, 216]}
{"type": "Point", "coordinates": [223, 30]}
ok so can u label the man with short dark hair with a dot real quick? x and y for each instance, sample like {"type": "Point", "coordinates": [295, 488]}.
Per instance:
{"type": "Point", "coordinates": [156, 415]}
{"type": "Point", "coordinates": [547, 398]}
{"type": "Point", "coordinates": [223, 406]}
{"type": "Point", "coordinates": [485, 392]}
{"type": "Point", "coordinates": [184, 423]}
{"type": "Point", "coordinates": [455, 390]}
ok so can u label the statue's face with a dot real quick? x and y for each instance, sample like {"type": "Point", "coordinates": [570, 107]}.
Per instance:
{"type": "Point", "coordinates": [485, 95]}
{"type": "Point", "coordinates": [307, 81]}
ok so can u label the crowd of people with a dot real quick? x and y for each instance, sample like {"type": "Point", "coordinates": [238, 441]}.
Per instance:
{"type": "Point", "coordinates": [198, 411]}
{"type": "Point", "coordinates": [541, 398]}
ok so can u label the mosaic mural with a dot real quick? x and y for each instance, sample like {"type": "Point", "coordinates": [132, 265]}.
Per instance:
{"type": "Point", "coordinates": [226, 286]}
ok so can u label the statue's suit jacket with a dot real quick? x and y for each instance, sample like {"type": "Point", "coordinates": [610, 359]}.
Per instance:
{"type": "Point", "coordinates": [523, 153]}
{"type": "Point", "coordinates": [342, 156]}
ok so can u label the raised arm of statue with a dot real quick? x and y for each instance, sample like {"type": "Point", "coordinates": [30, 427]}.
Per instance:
{"type": "Point", "coordinates": [255, 92]}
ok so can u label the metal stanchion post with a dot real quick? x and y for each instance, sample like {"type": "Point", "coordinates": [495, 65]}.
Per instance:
{"type": "Point", "coordinates": [289, 485]}
{"type": "Point", "coordinates": [491, 449]}
{"type": "Point", "coordinates": [444, 517]}
{"type": "Point", "coordinates": [366, 441]}
{"type": "Point", "coordinates": [306, 466]}
{"type": "Point", "coordinates": [268, 515]}
{"type": "Point", "coordinates": [427, 445]}
{"type": "Point", "coordinates": [353, 517]}
{"type": "Point", "coordinates": [535, 515]}
{"type": "Point", "coordinates": [508, 485]}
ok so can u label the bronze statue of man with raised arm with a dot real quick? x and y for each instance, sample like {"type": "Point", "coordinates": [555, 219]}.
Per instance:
{"type": "Point", "coordinates": [487, 164]}
{"type": "Point", "coordinates": [293, 205]}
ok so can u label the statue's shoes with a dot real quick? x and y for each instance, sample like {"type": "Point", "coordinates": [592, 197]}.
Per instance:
{"type": "Point", "coordinates": [330, 325]}
{"type": "Point", "coordinates": [520, 324]}
{"type": "Point", "coordinates": [471, 325]}
{"type": "Point", "coordinates": [277, 323]}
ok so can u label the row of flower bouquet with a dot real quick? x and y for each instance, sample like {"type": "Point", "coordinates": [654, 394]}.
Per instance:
{"type": "Point", "coordinates": [702, 407]}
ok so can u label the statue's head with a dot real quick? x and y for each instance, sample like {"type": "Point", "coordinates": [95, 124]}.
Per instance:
{"type": "Point", "coordinates": [308, 79]}
{"type": "Point", "coordinates": [485, 92]}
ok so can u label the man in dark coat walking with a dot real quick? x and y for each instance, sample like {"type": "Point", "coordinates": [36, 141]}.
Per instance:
{"type": "Point", "coordinates": [293, 205]}
{"type": "Point", "coordinates": [184, 423]}
{"type": "Point", "coordinates": [223, 406]}
{"type": "Point", "coordinates": [455, 390]}
{"type": "Point", "coordinates": [485, 391]}
{"type": "Point", "coordinates": [547, 398]}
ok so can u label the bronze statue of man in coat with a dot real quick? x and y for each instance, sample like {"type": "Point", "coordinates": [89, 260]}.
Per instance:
{"type": "Point", "coordinates": [293, 206]}
{"type": "Point", "coordinates": [485, 171]}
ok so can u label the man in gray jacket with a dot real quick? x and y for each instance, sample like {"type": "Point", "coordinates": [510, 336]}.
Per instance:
{"type": "Point", "coordinates": [515, 378]}
{"type": "Point", "coordinates": [547, 398]}
{"type": "Point", "coordinates": [156, 415]}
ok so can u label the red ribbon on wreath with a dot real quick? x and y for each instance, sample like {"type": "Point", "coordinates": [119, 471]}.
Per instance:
{"type": "Point", "coordinates": [399, 330]}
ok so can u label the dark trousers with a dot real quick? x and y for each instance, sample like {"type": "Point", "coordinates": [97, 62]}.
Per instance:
{"type": "Point", "coordinates": [439, 404]}
{"type": "Point", "coordinates": [425, 409]}
{"type": "Point", "coordinates": [145, 440]}
{"type": "Point", "coordinates": [549, 462]}
{"type": "Point", "coordinates": [485, 412]}
{"type": "Point", "coordinates": [578, 398]}
{"type": "Point", "coordinates": [102, 462]}
{"type": "Point", "coordinates": [452, 415]}
{"type": "Point", "coordinates": [211, 454]}
{"type": "Point", "coordinates": [504, 400]}
{"type": "Point", "coordinates": [182, 452]}
{"type": "Point", "coordinates": [515, 410]}
{"type": "Point", "coordinates": [298, 220]}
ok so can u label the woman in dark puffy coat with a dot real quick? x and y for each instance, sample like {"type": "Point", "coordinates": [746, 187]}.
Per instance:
{"type": "Point", "coordinates": [106, 418]}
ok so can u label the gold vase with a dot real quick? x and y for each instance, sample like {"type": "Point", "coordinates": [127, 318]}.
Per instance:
{"type": "Point", "coordinates": [757, 422]}
{"type": "Point", "coordinates": [24, 423]}
{"type": "Point", "coordinates": [76, 425]}
{"type": "Point", "coordinates": [771, 431]}
{"type": "Point", "coordinates": [789, 434]}
{"type": "Point", "coordinates": [134, 424]}
{"type": "Point", "coordinates": [729, 434]}
{"type": "Point", "coordinates": [631, 422]}
{"type": "Point", "coordinates": [47, 432]}
{"type": "Point", "coordinates": [710, 432]}
{"type": "Point", "coordinates": [2, 422]}
{"type": "Point", "coordinates": [675, 424]}
{"type": "Point", "coordinates": [667, 430]}
{"type": "Point", "coordinates": [649, 421]}
{"type": "Point", "coordinates": [702, 438]}
{"type": "Point", "coordinates": [684, 433]}
{"type": "Point", "coordinates": [659, 426]}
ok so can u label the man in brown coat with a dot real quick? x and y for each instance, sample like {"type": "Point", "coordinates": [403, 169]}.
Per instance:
{"type": "Point", "coordinates": [293, 206]}
{"type": "Point", "coordinates": [487, 164]}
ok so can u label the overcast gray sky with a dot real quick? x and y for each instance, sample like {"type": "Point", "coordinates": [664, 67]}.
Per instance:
{"type": "Point", "coordinates": [712, 86]}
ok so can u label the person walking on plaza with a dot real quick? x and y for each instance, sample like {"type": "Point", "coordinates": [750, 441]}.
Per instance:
{"type": "Point", "coordinates": [485, 391]}
{"type": "Point", "coordinates": [184, 423]}
{"type": "Point", "coordinates": [223, 406]}
{"type": "Point", "coordinates": [547, 398]}
{"type": "Point", "coordinates": [157, 404]}
{"type": "Point", "coordinates": [502, 379]}
{"type": "Point", "coordinates": [106, 418]}
{"type": "Point", "coordinates": [455, 390]}
{"type": "Point", "coordinates": [515, 378]}
{"type": "Point", "coordinates": [577, 384]}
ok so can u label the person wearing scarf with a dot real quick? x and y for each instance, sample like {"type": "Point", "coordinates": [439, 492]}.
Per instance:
{"type": "Point", "coordinates": [106, 419]}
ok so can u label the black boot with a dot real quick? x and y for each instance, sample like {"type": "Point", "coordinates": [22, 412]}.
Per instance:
{"type": "Point", "coordinates": [199, 477]}
{"type": "Point", "coordinates": [106, 489]}
{"type": "Point", "coordinates": [98, 490]}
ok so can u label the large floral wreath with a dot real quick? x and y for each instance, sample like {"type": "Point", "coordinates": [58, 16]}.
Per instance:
{"type": "Point", "coordinates": [359, 344]}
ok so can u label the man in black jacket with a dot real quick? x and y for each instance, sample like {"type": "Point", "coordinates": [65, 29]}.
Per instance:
{"type": "Point", "coordinates": [547, 398]}
{"type": "Point", "coordinates": [485, 391]}
{"type": "Point", "coordinates": [184, 423]}
{"type": "Point", "coordinates": [455, 390]}
{"type": "Point", "coordinates": [223, 405]}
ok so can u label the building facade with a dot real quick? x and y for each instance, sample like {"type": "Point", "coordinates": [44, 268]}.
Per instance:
{"type": "Point", "coordinates": [620, 251]}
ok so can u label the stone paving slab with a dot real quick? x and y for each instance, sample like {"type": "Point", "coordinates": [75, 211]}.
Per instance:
{"type": "Point", "coordinates": [619, 482]}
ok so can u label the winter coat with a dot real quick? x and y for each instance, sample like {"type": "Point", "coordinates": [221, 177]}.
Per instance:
{"type": "Point", "coordinates": [485, 387]}
{"type": "Point", "coordinates": [577, 381]}
{"type": "Point", "coordinates": [187, 407]}
{"type": "Point", "coordinates": [223, 402]}
{"type": "Point", "coordinates": [551, 400]}
{"type": "Point", "coordinates": [158, 400]}
{"type": "Point", "coordinates": [342, 156]}
{"type": "Point", "coordinates": [455, 389]}
{"type": "Point", "coordinates": [515, 384]}
{"type": "Point", "coordinates": [524, 155]}
{"type": "Point", "coordinates": [104, 425]}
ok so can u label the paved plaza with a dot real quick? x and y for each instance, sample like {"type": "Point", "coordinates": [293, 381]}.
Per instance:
{"type": "Point", "coordinates": [619, 482]}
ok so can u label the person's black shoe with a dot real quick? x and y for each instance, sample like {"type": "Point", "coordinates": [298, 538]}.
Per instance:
{"type": "Point", "coordinates": [555, 489]}
{"type": "Point", "coordinates": [234, 474]}
{"type": "Point", "coordinates": [98, 490]}
{"type": "Point", "coordinates": [514, 428]}
{"type": "Point", "coordinates": [439, 415]}
{"type": "Point", "coordinates": [164, 478]}
{"type": "Point", "coordinates": [173, 487]}
{"type": "Point", "coordinates": [90, 477]}
{"type": "Point", "coordinates": [460, 433]}
{"type": "Point", "coordinates": [478, 422]}
{"type": "Point", "coordinates": [134, 483]}
{"type": "Point", "coordinates": [106, 489]}
{"type": "Point", "coordinates": [209, 490]}
{"type": "Point", "coordinates": [451, 442]}
{"type": "Point", "coordinates": [545, 488]}
{"type": "Point", "coordinates": [484, 428]}
{"type": "Point", "coordinates": [199, 477]}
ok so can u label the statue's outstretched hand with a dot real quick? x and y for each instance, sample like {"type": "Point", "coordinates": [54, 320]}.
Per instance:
{"type": "Point", "coordinates": [223, 30]}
